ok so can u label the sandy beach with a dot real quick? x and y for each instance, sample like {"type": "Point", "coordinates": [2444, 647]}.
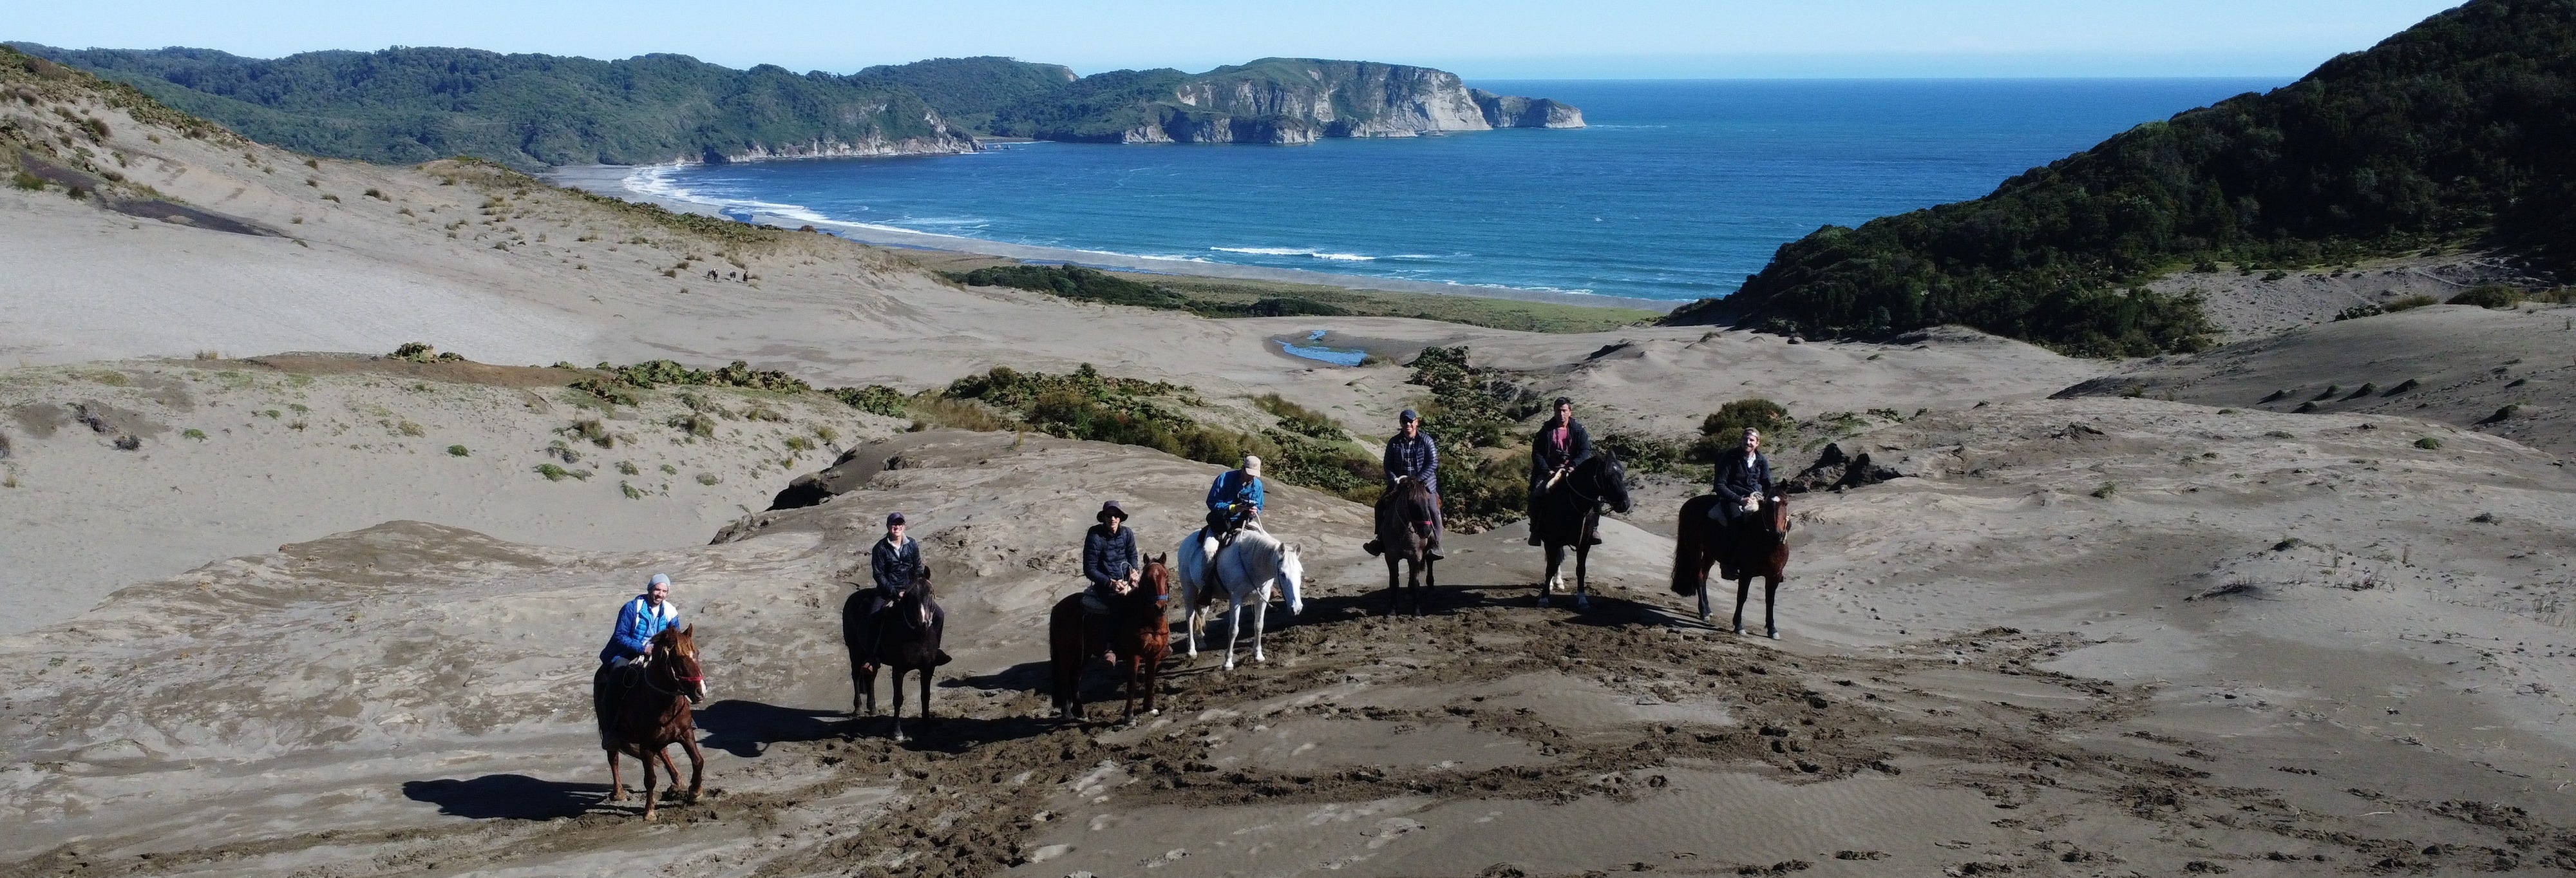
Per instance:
{"type": "Point", "coordinates": [2110, 618]}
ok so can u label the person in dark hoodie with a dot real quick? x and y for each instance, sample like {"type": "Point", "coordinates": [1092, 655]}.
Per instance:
{"type": "Point", "coordinates": [1561, 445]}
{"type": "Point", "coordinates": [1743, 479]}
{"type": "Point", "coordinates": [1109, 561]}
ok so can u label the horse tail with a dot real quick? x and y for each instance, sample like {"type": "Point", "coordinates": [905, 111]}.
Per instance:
{"type": "Point", "coordinates": [1690, 535]}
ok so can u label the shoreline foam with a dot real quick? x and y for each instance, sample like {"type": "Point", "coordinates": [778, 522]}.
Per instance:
{"type": "Point", "coordinates": [616, 181]}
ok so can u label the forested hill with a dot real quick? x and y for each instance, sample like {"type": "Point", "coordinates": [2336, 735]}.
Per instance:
{"type": "Point", "coordinates": [407, 105]}
{"type": "Point", "coordinates": [410, 105]}
{"type": "Point", "coordinates": [2459, 130]}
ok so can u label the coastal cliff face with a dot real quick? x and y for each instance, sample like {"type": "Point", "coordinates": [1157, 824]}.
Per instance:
{"type": "Point", "coordinates": [1274, 101]}
{"type": "Point", "coordinates": [947, 142]}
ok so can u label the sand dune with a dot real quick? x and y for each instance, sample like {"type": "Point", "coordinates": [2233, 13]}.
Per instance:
{"type": "Point", "coordinates": [2103, 634]}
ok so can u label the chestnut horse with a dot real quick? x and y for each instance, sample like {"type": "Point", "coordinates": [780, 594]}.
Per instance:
{"type": "Point", "coordinates": [1135, 629]}
{"type": "Point", "coordinates": [1569, 514]}
{"type": "Point", "coordinates": [1758, 548]}
{"type": "Point", "coordinates": [907, 639]}
{"type": "Point", "coordinates": [644, 710]}
{"type": "Point", "coordinates": [1404, 536]}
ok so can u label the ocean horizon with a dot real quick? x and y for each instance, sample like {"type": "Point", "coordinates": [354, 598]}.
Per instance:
{"type": "Point", "coordinates": [1676, 191]}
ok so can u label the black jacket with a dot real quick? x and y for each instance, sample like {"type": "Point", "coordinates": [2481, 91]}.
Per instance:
{"type": "Point", "coordinates": [1545, 459]}
{"type": "Point", "coordinates": [1737, 480]}
{"type": "Point", "coordinates": [1106, 558]}
{"type": "Point", "coordinates": [894, 568]}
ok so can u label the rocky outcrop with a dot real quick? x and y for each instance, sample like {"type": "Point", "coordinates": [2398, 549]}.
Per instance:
{"type": "Point", "coordinates": [1275, 101]}
{"type": "Point", "coordinates": [1507, 111]}
{"type": "Point", "coordinates": [946, 142]}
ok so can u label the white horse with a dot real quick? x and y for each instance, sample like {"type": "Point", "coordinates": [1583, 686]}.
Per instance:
{"type": "Point", "coordinates": [1246, 569]}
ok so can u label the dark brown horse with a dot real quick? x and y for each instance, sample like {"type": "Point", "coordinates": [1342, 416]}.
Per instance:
{"type": "Point", "coordinates": [1569, 514]}
{"type": "Point", "coordinates": [644, 710]}
{"type": "Point", "coordinates": [1759, 547]}
{"type": "Point", "coordinates": [1135, 630]}
{"type": "Point", "coordinates": [906, 638]}
{"type": "Point", "coordinates": [1404, 537]}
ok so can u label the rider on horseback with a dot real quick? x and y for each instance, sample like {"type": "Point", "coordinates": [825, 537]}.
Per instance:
{"type": "Point", "coordinates": [1234, 501]}
{"type": "Point", "coordinates": [1742, 481]}
{"type": "Point", "coordinates": [1411, 454]}
{"type": "Point", "coordinates": [643, 617]}
{"type": "Point", "coordinates": [1110, 561]}
{"type": "Point", "coordinates": [1561, 446]}
{"type": "Point", "coordinates": [894, 563]}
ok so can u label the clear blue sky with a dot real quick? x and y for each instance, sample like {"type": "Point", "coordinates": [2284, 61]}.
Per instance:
{"type": "Point", "coordinates": [1493, 39]}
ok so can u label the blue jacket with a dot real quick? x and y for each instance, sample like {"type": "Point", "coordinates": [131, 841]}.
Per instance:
{"type": "Point", "coordinates": [1234, 485]}
{"type": "Point", "coordinates": [1105, 558]}
{"type": "Point", "coordinates": [1737, 480]}
{"type": "Point", "coordinates": [637, 624]}
{"type": "Point", "coordinates": [1417, 457]}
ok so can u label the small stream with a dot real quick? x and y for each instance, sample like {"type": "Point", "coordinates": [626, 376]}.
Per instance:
{"type": "Point", "coordinates": [1310, 350]}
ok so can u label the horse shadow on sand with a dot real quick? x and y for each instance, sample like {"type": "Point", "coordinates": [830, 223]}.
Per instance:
{"type": "Point", "coordinates": [1607, 610]}
{"type": "Point", "coordinates": [747, 728]}
{"type": "Point", "coordinates": [506, 797]}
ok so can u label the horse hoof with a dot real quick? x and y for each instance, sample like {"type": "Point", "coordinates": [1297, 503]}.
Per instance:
{"type": "Point", "coordinates": [1775, 635]}
{"type": "Point", "coordinates": [1703, 618]}
{"type": "Point", "coordinates": [1582, 603]}
{"type": "Point", "coordinates": [1739, 629]}
{"type": "Point", "coordinates": [1542, 599]}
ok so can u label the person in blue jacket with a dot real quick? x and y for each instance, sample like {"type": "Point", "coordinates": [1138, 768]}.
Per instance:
{"type": "Point", "coordinates": [1234, 500]}
{"type": "Point", "coordinates": [639, 621]}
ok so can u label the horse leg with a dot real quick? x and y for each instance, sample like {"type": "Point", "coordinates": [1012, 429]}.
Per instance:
{"type": "Point", "coordinates": [651, 798]}
{"type": "Point", "coordinates": [1131, 662]}
{"type": "Point", "coordinates": [895, 681]}
{"type": "Point", "coordinates": [1555, 559]}
{"type": "Point", "coordinates": [1260, 609]}
{"type": "Point", "coordinates": [697, 766]}
{"type": "Point", "coordinates": [1771, 605]}
{"type": "Point", "coordinates": [1233, 628]}
{"type": "Point", "coordinates": [1190, 620]}
{"type": "Point", "coordinates": [1743, 592]}
{"type": "Point", "coordinates": [923, 683]}
{"type": "Point", "coordinates": [1413, 573]}
{"type": "Point", "coordinates": [671, 770]}
{"type": "Point", "coordinates": [1430, 581]}
{"type": "Point", "coordinates": [1582, 586]}
{"type": "Point", "coordinates": [616, 780]}
{"type": "Point", "coordinates": [1394, 582]}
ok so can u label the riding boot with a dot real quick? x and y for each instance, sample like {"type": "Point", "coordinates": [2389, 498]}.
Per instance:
{"type": "Point", "coordinates": [1373, 547]}
{"type": "Point", "coordinates": [1431, 551]}
{"type": "Point", "coordinates": [943, 658]}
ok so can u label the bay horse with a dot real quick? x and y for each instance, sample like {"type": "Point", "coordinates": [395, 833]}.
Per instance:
{"type": "Point", "coordinates": [1761, 548]}
{"type": "Point", "coordinates": [1245, 571]}
{"type": "Point", "coordinates": [644, 710]}
{"type": "Point", "coordinates": [906, 639]}
{"type": "Point", "coordinates": [1404, 537]}
{"type": "Point", "coordinates": [1136, 630]}
{"type": "Point", "coordinates": [1569, 514]}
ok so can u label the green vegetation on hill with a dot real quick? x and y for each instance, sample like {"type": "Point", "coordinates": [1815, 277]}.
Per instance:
{"type": "Point", "coordinates": [968, 91]}
{"type": "Point", "coordinates": [2457, 129]}
{"type": "Point", "coordinates": [1231, 297]}
{"type": "Point", "coordinates": [409, 105]}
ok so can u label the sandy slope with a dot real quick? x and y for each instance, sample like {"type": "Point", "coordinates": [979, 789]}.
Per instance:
{"type": "Point", "coordinates": [2093, 635]}
{"type": "Point", "coordinates": [1985, 664]}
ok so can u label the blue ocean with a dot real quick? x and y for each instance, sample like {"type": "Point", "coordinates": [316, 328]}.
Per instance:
{"type": "Point", "coordinates": [1677, 191]}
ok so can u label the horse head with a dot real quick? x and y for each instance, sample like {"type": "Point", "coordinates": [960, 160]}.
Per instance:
{"type": "Point", "coordinates": [915, 601]}
{"type": "Point", "coordinates": [1609, 479]}
{"type": "Point", "coordinates": [675, 653]}
{"type": "Point", "coordinates": [1156, 582]}
{"type": "Point", "coordinates": [1775, 512]}
{"type": "Point", "coordinates": [1291, 573]}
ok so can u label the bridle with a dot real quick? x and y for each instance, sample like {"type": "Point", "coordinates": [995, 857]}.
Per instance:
{"type": "Point", "coordinates": [670, 667]}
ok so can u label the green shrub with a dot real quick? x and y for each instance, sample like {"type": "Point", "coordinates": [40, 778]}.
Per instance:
{"type": "Point", "coordinates": [26, 181]}
{"type": "Point", "coordinates": [708, 479]}
{"type": "Point", "coordinates": [873, 399]}
{"type": "Point", "coordinates": [630, 491]}
{"type": "Point", "coordinates": [555, 473]}
{"type": "Point", "coordinates": [194, 433]}
{"type": "Point", "coordinates": [2402, 387]}
{"type": "Point", "coordinates": [627, 468]}
{"type": "Point", "coordinates": [670, 470]}
{"type": "Point", "coordinates": [2429, 443]}
{"type": "Point", "coordinates": [2408, 303]}
{"type": "Point", "coordinates": [2105, 492]}
{"type": "Point", "coordinates": [1299, 419]}
{"type": "Point", "coordinates": [696, 424]}
{"type": "Point", "coordinates": [591, 430]}
{"type": "Point", "coordinates": [2489, 296]}
{"type": "Point", "coordinates": [458, 451]}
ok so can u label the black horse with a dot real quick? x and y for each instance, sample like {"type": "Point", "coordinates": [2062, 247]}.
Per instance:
{"type": "Point", "coordinates": [1404, 537]}
{"type": "Point", "coordinates": [906, 638]}
{"type": "Point", "coordinates": [1568, 513]}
